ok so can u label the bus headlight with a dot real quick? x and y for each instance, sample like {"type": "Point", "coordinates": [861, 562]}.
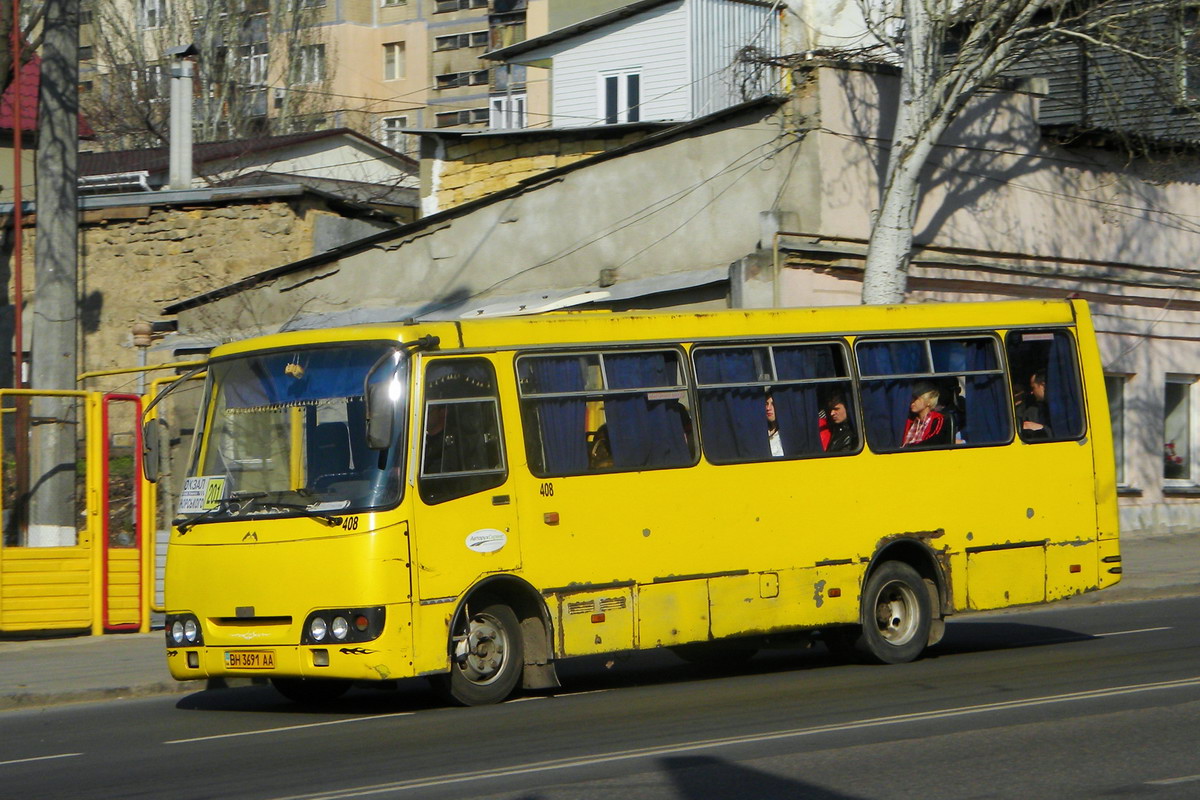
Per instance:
{"type": "Point", "coordinates": [183, 630]}
{"type": "Point", "coordinates": [334, 624]}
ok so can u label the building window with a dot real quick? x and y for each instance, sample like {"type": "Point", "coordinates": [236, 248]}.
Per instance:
{"type": "Point", "coordinates": [309, 64]}
{"type": "Point", "coordinates": [293, 4]}
{"type": "Point", "coordinates": [1189, 55]}
{"type": "Point", "coordinates": [443, 6]}
{"type": "Point", "coordinates": [86, 53]}
{"type": "Point", "coordinates": [459, 40]}
{"type": "Point", "coordinates": [394, 66]}
{"type": "Point", "coordinates": [1178, 429]}
{"type": "Point", "coordinates": [255, 62]}
{"type": "Point", "coordinates": [1115, 388]}
{"type": "Point", "coordinates": [508, 112]}
{"type": "Point", "coordinates": [468, 116]}
{"type": "Point", "coordinates": [150, 13]}
{"type": "Point", "coordinates": [453, 80]}
{"type": "Point", "coordinates": [391, 133]}
{"type": "Point", "coordinates": [393, 2]}
{"type": "Point", "coordinates": [620, 97]}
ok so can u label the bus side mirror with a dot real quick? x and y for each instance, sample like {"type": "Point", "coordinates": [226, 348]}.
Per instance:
{"type": "Point", "coordinates": [150, 451]}
{"type": "Point", "coordinates": [381, 413]}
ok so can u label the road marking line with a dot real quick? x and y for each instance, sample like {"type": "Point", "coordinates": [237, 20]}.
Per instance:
{"type": "Point", "coordinates": [289, 728]}
{"type": "Point", "coordinates": [1173, 781]}
{"type": "Point", "coordinates": [1139, 630]}
{"type": "Point", "coordinates": [38, 758]}
{"type": "Point", "coordinates": [709, 744]}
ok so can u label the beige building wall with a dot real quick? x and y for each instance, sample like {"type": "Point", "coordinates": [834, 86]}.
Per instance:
{"type": "Point", "coordinates": [135, 260]}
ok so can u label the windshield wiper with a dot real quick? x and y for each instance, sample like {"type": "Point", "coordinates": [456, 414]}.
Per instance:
{"type": "Point", "coordinates": [184, 524]}
{"type": "Point", "coordinates": [260, 500]}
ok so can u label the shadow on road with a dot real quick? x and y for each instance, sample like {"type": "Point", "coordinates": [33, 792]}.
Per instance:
{"type": "Point", "coordinates": [623, 670]}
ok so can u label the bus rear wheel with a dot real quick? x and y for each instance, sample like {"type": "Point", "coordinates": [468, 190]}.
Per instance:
{"type": "Point", "coordinates": [487, 657]}
{"type": "Point", "coordinates": [896, 614]}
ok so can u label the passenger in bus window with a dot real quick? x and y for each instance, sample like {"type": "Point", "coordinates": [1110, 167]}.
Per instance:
{"type": "Point", "coordinates": [773, 428]}
{"type": "Point", "coordinates": [926, 425]}
{"type": "Point", "coordinates": [1031, 410]}
{"type": "Point", "coordinates": [837, 435]}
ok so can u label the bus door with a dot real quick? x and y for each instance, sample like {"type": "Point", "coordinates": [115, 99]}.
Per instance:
{"type": "Point", "coordinates": [465, 518]}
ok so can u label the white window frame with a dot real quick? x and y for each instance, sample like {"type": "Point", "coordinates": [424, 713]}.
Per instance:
{"type": "Point", "coordinates": [386, 3]}
{"type": "Point", "coordinates": [256, 59]}
{"type": "Point", "coordinates": [508, 111]}
{"type": "Point", "coordinates": [1189, 426]}
{"type": "Point", "coordinates": [310, 64]}
{"type": "Point", "coordinates": [395, 66]}
{"type": "Point", "coordinates": [623, 108]}
{"type": "Point", "coordinates": [1115, 386]}
{"type": "Point", "coordinates": [150, 14]}
{"type": "Point", "coordinates": [390, 132]}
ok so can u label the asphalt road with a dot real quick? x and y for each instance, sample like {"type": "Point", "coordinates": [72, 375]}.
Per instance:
{"type": "Point", "coordinates": [1062, 702]}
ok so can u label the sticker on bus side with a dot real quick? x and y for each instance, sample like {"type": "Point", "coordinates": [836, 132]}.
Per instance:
{"type": "Point", "coordinates": [488, 540]}
{"type": "Point", "coordinates": [201, 494]}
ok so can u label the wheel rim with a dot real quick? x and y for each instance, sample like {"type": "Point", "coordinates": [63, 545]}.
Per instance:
{"type": "Point", "coordinates": [483, 652]}
{"type": "Point", "coordinates": [896, 613]}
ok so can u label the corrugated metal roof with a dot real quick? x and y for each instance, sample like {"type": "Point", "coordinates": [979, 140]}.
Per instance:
{"type": "Point", "coordinates": [159, 158]}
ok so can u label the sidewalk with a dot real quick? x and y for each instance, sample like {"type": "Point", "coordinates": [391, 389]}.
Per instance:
{"type": "Point", "coordinates": [51, 671]}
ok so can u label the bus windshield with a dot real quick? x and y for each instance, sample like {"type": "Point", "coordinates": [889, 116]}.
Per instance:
{"type": "Point", "coordinates": [284, 432]}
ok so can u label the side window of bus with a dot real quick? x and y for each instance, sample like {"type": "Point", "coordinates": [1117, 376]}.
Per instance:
{"type": "Point", "coordinates": [930, 392]}
{"type": "Point", "coordinates": [461, 447]}
{"type": "Point", "coordinates": [759, 402]}
{"type": "Point", "coordinates": [1045, 385]}
{"type": "Point", "coordinates": [605, 411]}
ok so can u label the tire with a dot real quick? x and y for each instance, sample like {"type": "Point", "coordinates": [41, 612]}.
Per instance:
{"type": "Point", "coordinates": [896, 614]}
{"type": "Point", "coordinates": [311, 692]}
{"type": "Point", "coordinates": [487, 657]}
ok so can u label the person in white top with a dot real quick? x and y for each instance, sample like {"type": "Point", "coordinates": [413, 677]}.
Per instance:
{"type": "Point", "coordinates": [773, 429]}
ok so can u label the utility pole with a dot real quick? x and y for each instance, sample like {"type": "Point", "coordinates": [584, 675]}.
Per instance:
{"type": "Point", "coordinates": [56, 421]}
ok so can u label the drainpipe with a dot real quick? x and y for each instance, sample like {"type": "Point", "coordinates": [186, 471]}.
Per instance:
{"type": "Point", "coordinates": [181, 116]}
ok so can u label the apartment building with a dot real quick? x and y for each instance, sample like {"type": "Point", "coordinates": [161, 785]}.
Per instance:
{"type": "Point", "coordinates": [377, 67]}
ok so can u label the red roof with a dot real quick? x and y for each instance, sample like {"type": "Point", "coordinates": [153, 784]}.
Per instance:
{"type": "Point", "coordinates": [31, 75]}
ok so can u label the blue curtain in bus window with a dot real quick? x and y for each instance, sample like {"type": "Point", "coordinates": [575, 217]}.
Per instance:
{"type": "Point", "coordinates": [797, 407]}
{"type": "Point", "coordinates": [644, 432]}
{"type": "Point", "coordinates": [986, 416]}
{"type": "Point", "coordinates": [562, 420]}
{"type": "Point", "coordinates": [733, 420]}
{"type": "Point", "coordinates": [886, 403]}
{"type": "Point", "coordinates": [1064, 400]}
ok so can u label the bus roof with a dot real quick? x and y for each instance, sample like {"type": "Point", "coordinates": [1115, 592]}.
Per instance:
{"type": "Point", "coordinates": [584, 327]}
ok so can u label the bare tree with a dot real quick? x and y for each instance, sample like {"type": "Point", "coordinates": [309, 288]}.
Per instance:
{"type": "Point", "coordinates": [259, 70]}
{"type": "Point", "coordinates": [30, 34]}
{"type": "Point", "coordinates": [950, 50]}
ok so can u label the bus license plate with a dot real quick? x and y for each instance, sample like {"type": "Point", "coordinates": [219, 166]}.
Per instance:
{"type": "Point", "coordinates": [250, 659]}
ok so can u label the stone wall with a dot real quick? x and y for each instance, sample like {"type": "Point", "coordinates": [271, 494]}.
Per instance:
{"type": "Point", "coordinates": [134, 260]}
{"type": "Point", "coordinates": [485, 164]}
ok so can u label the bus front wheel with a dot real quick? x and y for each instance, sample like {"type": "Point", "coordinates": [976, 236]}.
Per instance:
{"type": "Point", "coordinates": [896, 614]}
{"type": "Point", "coordinates": [486, 658]}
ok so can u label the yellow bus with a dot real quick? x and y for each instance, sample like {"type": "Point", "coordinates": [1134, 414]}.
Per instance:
{"type": "Point", "coordinates": [473, 501]}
